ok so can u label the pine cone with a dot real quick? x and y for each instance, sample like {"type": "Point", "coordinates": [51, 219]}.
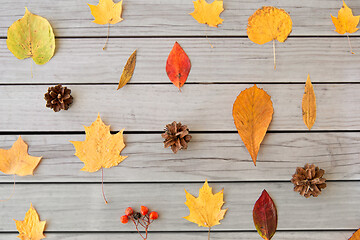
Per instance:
{"type": "Point", "coordinates": [58, 97]}
{"type": "Point", "coordinates": [177, 136]}
{"type": "Point", "coordinates": [308, 180]}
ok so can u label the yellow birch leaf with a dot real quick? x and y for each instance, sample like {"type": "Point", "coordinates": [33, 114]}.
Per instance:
{"type": "Point", "coordinates": [101, 149]}
{"type": "Point", "coordinates": [345, 22]}
{"type": "Point", "coordinates": [252, 112]}
{"type": "Point", "coordinates": [16, 160]}
{"type": "Point", "coordinates": [31, 228]}
{"type": "Point", "coordinates": [206, 13]}
{"type": "Point", "coordinates": [205, 210]}
{"type": "Point", "coordinates": [31, 36]}
{"type": "Point", "coordinates": [356, 235]}
{"type": "Point", "coordinates": [106, 12]}
{"type": "Point", "coordinates": [128, 70]}
{"type": "Point", "coordinates": [309, 104]}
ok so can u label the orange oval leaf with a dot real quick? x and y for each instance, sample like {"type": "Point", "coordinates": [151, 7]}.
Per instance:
{"type": "Point", "coordinates": [178, 66]}
{"type": "Point", "coordinates": [252, 112]}
{"type": "Point", "coordinates": [265, 216]}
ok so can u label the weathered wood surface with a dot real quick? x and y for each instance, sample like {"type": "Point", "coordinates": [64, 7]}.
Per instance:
{"type": "Point", "coordinates": [232, 60]}
{"type": "Point", "coordinates": [151, 107]}
{"type": "Point", "coordinates": [313, 235]}
{"type": "Point", "coordinates": [80, 207]}
{"type": "Point", "coordinates": [217, 157]}
{"type": "Point", "coordinates": [171, 17]}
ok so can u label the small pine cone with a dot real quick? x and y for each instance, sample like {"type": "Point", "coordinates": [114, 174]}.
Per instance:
{"type": "Point", "coordinates": [176, 136]}
{"type": "Point", "coordinates": [58, 97]}
{"type": "Point", "coordinates": [308, 180]}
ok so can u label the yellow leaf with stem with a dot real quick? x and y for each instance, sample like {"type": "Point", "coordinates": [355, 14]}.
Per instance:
{"type": "Point", "coordinates": [208, 13]}
{"type": "Point", "coordinates": [31, 228]}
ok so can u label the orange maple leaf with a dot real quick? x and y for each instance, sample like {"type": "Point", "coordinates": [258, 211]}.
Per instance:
{"type": "Point", "coordinates": [206, 13]}
{"type": "Point", "coordinates": [31, 228]}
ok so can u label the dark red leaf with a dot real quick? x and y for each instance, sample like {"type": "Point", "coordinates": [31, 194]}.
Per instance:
{"type": "Point", "coordinates": [265, 216]}
{"type": "Point", "coordinates": [178, 66]}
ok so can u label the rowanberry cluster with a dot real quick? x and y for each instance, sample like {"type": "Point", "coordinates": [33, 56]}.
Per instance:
{"type": "Point", "coordinates": [142, 218]}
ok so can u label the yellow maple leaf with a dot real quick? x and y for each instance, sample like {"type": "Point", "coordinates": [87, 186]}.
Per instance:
{"type": "Point", "coordinates": [101, 149]}
{"type": "Point", "coordinates": [346, 22]}
{"type": "Point", "coordinates": [205, 210]}
{"type": "Point", "coordinates": [206, 13]}
{"type": "Point", "coordinates": [106, 12]}
{"type": "Point", "coordinates": [31, 228]}
{"type": "Point", "coordinates": [16, 160]}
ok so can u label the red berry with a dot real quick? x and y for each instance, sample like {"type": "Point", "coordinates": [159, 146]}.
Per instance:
{"type": "Point", "coordinates": [154, 215]}
{"type": "Point", "coordinates": [124, 219]}
{"type": "Point", "coordinates": [144, 210]}
{"type": "Point", "coordinates": [129, 211]}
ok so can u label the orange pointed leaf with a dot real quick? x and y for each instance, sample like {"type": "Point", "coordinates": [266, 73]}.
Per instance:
{"type": "Point", "coordinates": [265, 216]}
{"type": "Point", "coordinates": [206, 13]}
{"type": "Point", "coordinates": [356, 235]}
{"type": "Point", "coordinates": [16, 160]}
{"type": "Point", "coordinates": [309, 104]}
{"type": "Point", "coordinates": [178, 66]}
{"type": "Point", "coordinates": [31, 228]}
{"type": "Point", "coordinates": [345, 22]}
{"type": "Point", "coordinates": [252, 112]}
{"type": "Point", "coordinates": [128, 70]}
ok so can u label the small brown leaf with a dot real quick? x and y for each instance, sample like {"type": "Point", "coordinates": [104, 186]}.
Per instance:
{"type": "Point", "coordinates": [128, 70]}
{"type": "Point", "coordinates": [309, 104]}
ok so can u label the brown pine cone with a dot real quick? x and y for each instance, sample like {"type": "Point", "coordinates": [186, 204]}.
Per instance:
{"type": "Point", "coordinates": [308, 180]}
{"type": "Point", "coordinates": [176, 136]}
{"type": "Point", "coordinates": [58, 97]}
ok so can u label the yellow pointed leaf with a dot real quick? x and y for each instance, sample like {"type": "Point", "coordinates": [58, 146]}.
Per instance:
{"type": "Point", "coordinates": [31, 36]}
{"type": "Point", "coordinates": [309, 104]}
{"type": "Point", "coordinates": [205, 210]}
{"type": "Point", "coordinates": [31, 228]}
{"type": "Point", "coordinates": [16, 160]}
{"type": "Point", "coordinates": [128, 70]}
{"type": "Point", "coordinates": [206, 13]}
{"type": "Point", "coordinates": [101, 149]}
{"type": "Point", "coordinates": [252, 112]}
{"type": "Point", "coordinates": [267, 24]}
{"type": "Point", "coordinates": [345, 22]}
{"type": "Point", "coordinates": [106, 12]}
{"type": "Point", "coordinates": [356, 235]}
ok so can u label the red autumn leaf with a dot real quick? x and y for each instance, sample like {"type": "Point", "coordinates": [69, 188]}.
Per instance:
{"type": "Point", "coordinates": [178, 66]}
{"type": "Point", "coordinates": [265, 216]}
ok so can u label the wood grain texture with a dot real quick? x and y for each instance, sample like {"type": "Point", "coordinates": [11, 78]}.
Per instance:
{"type": "Point", "coordinates": [231, 60]}
{"type": "Point", "coordinates": [313, 235]}
{"type": "Point", "coordinates": [151, 107]}
{"type": "Point", "coordinates": [217, 157]}
{"type": "Point", "coordinates": [171, 17]}
{"type": "Point", "coordinates": [80, 207]}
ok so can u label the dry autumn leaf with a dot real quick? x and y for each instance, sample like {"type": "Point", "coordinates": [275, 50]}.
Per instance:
{"type": "Point", "coordinates": [107, 12]}
{"type": "Point", "coordinates": [101, 149]}
{"type": "Point", "coordinates": [128, 70]}
{"type": "Point", "coordinates": [31, 228]}
{"type": "Point", "coordinates": [356, 235]}
{"type": "Point", "coordinates": [205, 210]}
{"type": "Point", "coordinates": [252, 112]}
{"type": "Point", "coordinates": [31, 36]}
{"type": "Point", "coordinates": [178, 66]}
{"type": "Point", "coordinates": [269, 24]}
{"type": "Point", "coordinates": [346, 22]}
{"type": "Point", "coordinates": [309, 104]}
{"type": "Point", "coordinates": [206, 13]}
{"type": "Point", "coordinates": [265, 216]}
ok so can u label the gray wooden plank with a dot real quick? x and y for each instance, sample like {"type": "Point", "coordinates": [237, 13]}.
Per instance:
{"type": "Point", "coordinates": [80, 207]}
{"type": "Point", "coordinates": [219, 157]}
{"type": "Point", "coordinates": [151, 107]}
{"type": "Point", "coordinates": [313, 235]}
{"type": "Point", "coordinates": [232, 60]}
{"type": "Point", "coordinates": [171, 18]}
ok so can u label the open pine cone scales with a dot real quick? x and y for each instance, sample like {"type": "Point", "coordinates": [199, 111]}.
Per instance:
{"type": "Point", "coordinates": [176, 136]}
{"type": "Point", "coordinates": [58, 98]}
{"type": "Point", "coordinates": [308, 180]}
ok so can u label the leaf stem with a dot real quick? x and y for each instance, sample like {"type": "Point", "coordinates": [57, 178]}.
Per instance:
{"type": "Point", "coordinates": [209, 233]}
{"type": "Point", "coordinates": [348, 38]}
{"type": "Point", "coordinates": [102, 185]}
{"type": "Point", "coordinates": [274, 54]}
{"type": "Point", "coordinates": [107, 38]}
{"type": "Point", "coordinates": [206, 27]}
{"type": "Point", "coordinates": [13, 191]}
